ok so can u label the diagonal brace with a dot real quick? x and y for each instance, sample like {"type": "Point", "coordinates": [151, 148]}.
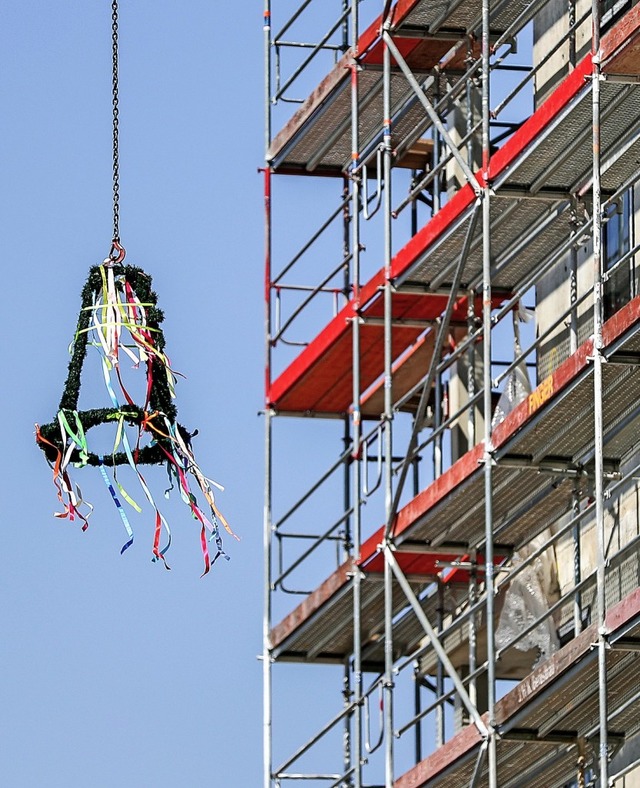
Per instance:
{"type": "Point", "coordinates": [477, 771]}
{"type": "Point", "coordinates": [483, 729]}
{"type": "Point", "coordinates": [433, 115]}
{"type": "Point", "coordinates": [443, 330]}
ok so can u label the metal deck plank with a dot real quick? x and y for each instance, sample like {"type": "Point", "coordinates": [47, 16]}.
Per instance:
{"type": "Point", "coordinates": [328, 107]}
{"type": "Point", "coordinates": [456, 497]}
{"type": "Point", "coordinates": [566, 682]}
{"type": "Point", "coordinates": [404, 376]}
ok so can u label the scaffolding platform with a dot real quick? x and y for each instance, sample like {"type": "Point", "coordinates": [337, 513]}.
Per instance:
{"type": "Point", "coordinates": [317, 139]}
{"type": "Point", "coordinates": [320, 380]}
{"type": "Point", "coordinates": [544, 446]}
{"type": "Point", "coordinates": [534, 176]}
{"type": "Point", "coordinates": [543, 721]}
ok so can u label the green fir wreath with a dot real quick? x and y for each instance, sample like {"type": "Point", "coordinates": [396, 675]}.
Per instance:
{"type": "Point", "coordinates": [160, 396]}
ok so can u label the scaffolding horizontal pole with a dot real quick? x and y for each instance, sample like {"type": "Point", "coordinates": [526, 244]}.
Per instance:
{"type": "Point", "coordinates": [410, 546]}
{"type": "Point", "coordinates": [305, 555]}
{"type": "Point", "coordinates": [293, 776]}
{"type": "Point", "coordinates": [402, 322]}
{"type": "Point", "coordinates": [316, 738]}
{"type": "Point", "coordinates": [523, 193]}
{"type": "Point", "coordinates": [557, 466]}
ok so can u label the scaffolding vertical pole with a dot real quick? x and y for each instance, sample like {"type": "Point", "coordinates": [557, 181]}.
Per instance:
{"type": "Point", "coordinates": [597, 398]}
{"type": "Point", "coordinates": [437, 155]}
{"type": "Point", "coordinates": [488, 449]}
{"type": "Point", "coordinates": [437, 418]}
{"type": "Point", "coordinates": [577, 571]}
{"type": "Point", "coordinates": [266, 622]}
{"type": "Point", "coordinates": [471, 302]}
{"type": "Point", "coordinates": [267, 73]}
{"type": "Point", "coordinates": [267, 516]}
{"type": "Point", "coordinates": [440, 732]}
{"type": "Point", "coordinates": [571, 10]}
{"type": "Point", "coordinates": [356, 747]}
{"type": "Point", "coordinates": [471, 369]}
{"type": "Point", "coordinates": [417, 708]}
{"type": "Point", "coordinates": [573, 280]}
{"type": "Point", "coordinates": [347, 545]}
{"type": "Point", "coordinates": [473, 627]}
{"type": "Point", "coordinates": [388, 411]}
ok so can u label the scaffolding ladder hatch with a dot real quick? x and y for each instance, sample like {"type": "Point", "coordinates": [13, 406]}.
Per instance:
{"type": "Point", "coordinates": [542, 717]}
{"type": "Point", "coordinates": [450, 510]}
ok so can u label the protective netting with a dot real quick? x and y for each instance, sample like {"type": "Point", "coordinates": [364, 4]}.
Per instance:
{"type": "Point", "coordinates": [530, 593]}
{"type": "Point", "coordinates": [526, 604]}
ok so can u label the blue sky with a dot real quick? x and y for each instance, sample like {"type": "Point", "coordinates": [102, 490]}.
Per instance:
{"type": "Point", "coordinates": [114, 671]}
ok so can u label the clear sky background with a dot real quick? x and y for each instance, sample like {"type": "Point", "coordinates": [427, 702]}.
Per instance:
{"type": "Point", "coordinates": [115, 672]}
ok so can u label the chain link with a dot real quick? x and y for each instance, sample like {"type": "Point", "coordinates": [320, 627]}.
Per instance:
{"type": "Point", "coordinates": [116, 158]}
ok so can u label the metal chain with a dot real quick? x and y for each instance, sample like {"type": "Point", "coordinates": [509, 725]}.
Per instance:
{"type": "Point", "coordinates": [116, 160]}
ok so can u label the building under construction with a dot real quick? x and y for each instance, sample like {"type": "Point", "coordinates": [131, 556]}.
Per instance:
{"type": "Point", "coordinates": [452, 325]}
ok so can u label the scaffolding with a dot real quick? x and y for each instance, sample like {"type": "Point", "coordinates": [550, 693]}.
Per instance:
{"type": "Point", "coordinates": [467, 561]}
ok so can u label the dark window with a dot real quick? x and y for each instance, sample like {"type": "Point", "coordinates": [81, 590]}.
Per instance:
{"type": "Point", "coordinates": [616, 242]}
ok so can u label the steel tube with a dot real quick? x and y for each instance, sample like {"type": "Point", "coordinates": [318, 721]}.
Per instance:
{"type": "Point", "coordinates": [314, 739]}
{"type": "Point", "coordinates": [311, 240]}
{"type": "Point", "coordinates": [306, 301]}
{"type": "Point", "coordinates": [486, 347]}
{"type": "Point", "coordinates": [267, 514]}
{"type": "Point", "coordinates": [388, 700]}
{"type": "Point", "coordinates": [435, 641]}
{"type": "Point", "coordinates": [577, 571]}
{"type": "Point", "coordinates": [292, 18]}
{"type": "Point", "coordinates": [317, 48]}
{"type": "Point", "coordinates": [446, 697]}
{"type": "Point", "coordinates": [597, 399]}
{"type": "Point", "coordinates": [317, 542]}
{"type": "Point", "coordinates": [440, 730]}
{"type": "Point", "coordinates": [433, 115]}
{"type": "Point", "coordinates": [356, 416]}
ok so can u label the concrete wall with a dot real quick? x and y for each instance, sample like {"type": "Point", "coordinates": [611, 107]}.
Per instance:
{"type": "Point", "coordinates": [551, 26]}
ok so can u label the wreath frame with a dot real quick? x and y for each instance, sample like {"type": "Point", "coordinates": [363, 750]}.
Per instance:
{"type": "Point", "coordinates": [160, 401]}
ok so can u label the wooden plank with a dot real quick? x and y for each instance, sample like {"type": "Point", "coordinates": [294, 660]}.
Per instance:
{"type": "Point", "coordinates": [311, 604]}
{"type": "Point", "coordinates": [406, 373]}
